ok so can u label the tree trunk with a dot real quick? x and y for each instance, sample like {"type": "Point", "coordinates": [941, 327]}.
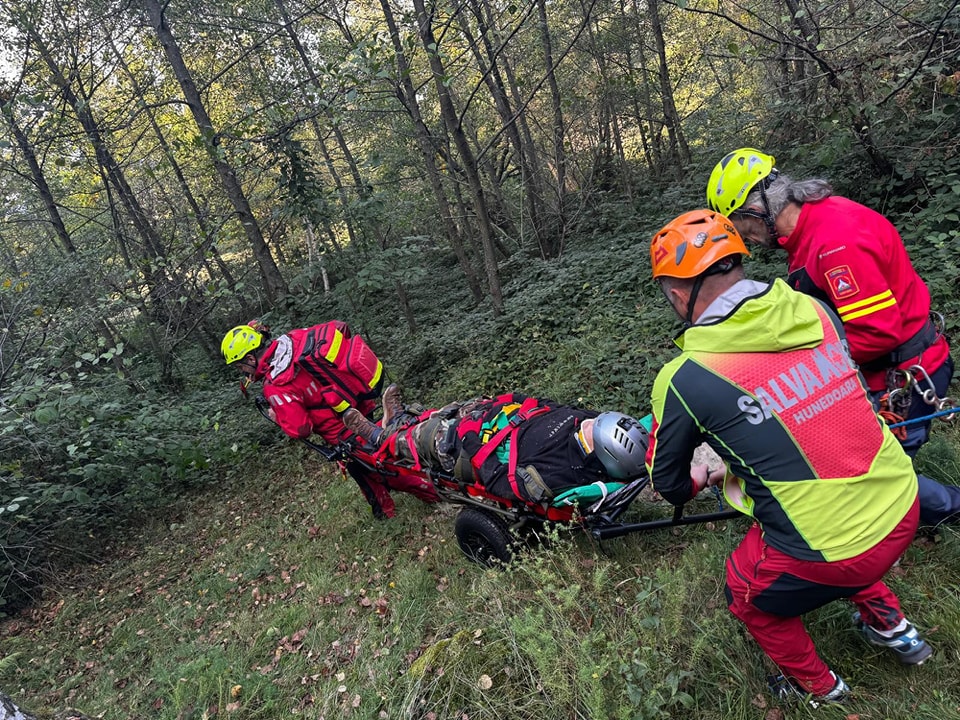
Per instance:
{"type": "Point", "coordinates": [338, 183]}
{"type": "Point", "coordinates": [678, 143]}
{"type": "Point", "coordinates": [407, 95]}
{"type": "Point", "coordinates": [273, 283]}
{"type": "Point", "coordinates": [650, 128]}
{"type": "Point", "coordinates": [80, 102]}
{"type": "Point", "coordinates": [157, 281]}
{"type": "Point", "coordinates": [451, 120]}
{"type": "Point", "coordinates": [854, 106]}
{"type": "Point", "coordinates": [362, 189]}
{"type": "Point", "coordinates": [493, 78]}
{"type": "Point", "coordinates": [407, 307]}
{"type": "Point", "coordinates": [559, 132]}
{"type": "Point", "coordinates": [36, 174]}
{"type": "Point", "coordinates": [207, 235]}
{"type": "Point", "coordinates": [679, 151]}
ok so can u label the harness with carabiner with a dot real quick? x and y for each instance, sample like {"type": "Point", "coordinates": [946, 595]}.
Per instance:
{"type": "Point", "coordinates": [528, 408]}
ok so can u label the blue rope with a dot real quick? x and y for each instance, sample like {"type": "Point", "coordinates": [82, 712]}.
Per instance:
{"type": "Point", "coordinates": [914, 421]}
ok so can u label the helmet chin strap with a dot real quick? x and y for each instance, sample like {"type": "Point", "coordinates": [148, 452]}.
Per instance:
{"type": "Point", "coordinates": [692, 302]}
{"type": "Point", "coordinates": [768, 219]}
{"type": "Point", "coordinates": [687, 317]}
{"type": "Point", "coordinates": [248, 377]}
{"type": "Point", "coordinates": [721, 267]}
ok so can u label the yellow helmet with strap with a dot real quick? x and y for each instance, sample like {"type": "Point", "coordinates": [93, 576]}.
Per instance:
{"type": "Point", "coordinates": [735, 176]}
{"type": "Point", "coordinates": [239, 342]}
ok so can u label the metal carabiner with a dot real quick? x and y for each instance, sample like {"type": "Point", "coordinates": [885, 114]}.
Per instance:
{"type": "Point", "coordinates": [908, 379]}
{"type": "Point", "coordinates": [929, 394]}
{"type": "Point", "coordinates": [939, 324]}
{"type": "Point", "coordinates": [943, 405]}
{"type": "Point", "coordinates": [892, 396]}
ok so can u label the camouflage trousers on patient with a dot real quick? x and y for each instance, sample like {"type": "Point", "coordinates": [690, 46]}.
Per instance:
{"type": "Point", "coordinates": [435, 438]}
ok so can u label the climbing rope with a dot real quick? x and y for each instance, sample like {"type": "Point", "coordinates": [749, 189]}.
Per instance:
{"type": "Point", "coordinates": [947, 414]}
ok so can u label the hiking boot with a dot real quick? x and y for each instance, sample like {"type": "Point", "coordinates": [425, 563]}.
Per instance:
{"type": "Point", "coordinates": [907, 645]}
{"type": "Point", "coordinates": [356, 423]}
{"type": "Point", "coordinates": [392, 404]}
{"type": "Point", "coordinates": [785, 690]}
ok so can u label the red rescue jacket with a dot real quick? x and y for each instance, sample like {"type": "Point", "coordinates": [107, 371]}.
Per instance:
{"type": "Point", "coordinates": [853, 258]}
{"type": "Point", "coordinates": [311, 375]}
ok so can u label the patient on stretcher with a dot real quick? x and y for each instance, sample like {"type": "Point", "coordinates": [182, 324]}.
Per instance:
{"type": "Point", "coordinates": [515, 446]}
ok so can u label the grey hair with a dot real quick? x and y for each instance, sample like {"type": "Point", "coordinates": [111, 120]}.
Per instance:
{"type": "Point", "coordinates": [784, 190]}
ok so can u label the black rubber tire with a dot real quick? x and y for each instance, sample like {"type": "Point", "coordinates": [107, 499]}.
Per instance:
{"type": "Point", "coordinates": [483, 537]}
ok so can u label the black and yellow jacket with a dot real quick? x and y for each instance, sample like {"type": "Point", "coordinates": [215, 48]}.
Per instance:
{"type": "Point", "coordinates": [769, 385]}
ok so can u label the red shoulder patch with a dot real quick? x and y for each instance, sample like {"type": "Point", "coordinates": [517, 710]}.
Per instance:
{"type": "Point", "coordinates": [842, 282]}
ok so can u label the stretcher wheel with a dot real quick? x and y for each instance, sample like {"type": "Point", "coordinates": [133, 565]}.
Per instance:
{"type": "Point", "coordinates": [483, 537]}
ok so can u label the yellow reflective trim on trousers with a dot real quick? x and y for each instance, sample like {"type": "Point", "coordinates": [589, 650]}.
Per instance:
{"type": "Point", "coordinates": [376, 375]}
{"type": "Point", "coordinates": [868, 311]}
{"type": "Point", "coordinates": [869, 301]}
{"type": "Point", "coordinates": [334, 350]}
{"type": "Point", "coordinates": [340, 407]}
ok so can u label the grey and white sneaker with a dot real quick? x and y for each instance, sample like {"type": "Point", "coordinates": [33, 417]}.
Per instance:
{"type": "Point", "coordinates": [786, 690]}
{"type": "Point", "coordinates": [907, 645]}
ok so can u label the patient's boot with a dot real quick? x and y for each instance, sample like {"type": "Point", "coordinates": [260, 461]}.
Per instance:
{"type": "Point", "coordinates": [356, 423]}
{"type": "Point", "coordinates": [392, 404]}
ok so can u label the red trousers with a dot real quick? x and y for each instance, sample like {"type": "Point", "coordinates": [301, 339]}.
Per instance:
{"type": "Point", "coordinates": [769, 591]}
{"type": "Point", "coordinates": [376, 487]}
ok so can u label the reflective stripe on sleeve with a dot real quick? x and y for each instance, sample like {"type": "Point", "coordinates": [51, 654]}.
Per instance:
{"type": "Point", "coordinates": [867, 306]}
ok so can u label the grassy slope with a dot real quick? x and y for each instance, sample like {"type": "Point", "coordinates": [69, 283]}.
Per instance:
{"type": "Point", "coordinates": [285, 589]}
{"type": "Point", "coordinates": [276, 593]}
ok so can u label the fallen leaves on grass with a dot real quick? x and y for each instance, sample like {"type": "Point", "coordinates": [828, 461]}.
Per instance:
{"type": "Point", "coordinates": [289, 644]}
{"type": "Point", "coordinates": [381, 607]}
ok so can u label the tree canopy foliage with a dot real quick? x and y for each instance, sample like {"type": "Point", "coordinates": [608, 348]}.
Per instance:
{"type": "Point", "coordinates": [170, 169]}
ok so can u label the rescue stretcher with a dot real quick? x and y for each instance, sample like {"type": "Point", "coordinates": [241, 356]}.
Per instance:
{"type": "Point", "coordinates": [488, 526]}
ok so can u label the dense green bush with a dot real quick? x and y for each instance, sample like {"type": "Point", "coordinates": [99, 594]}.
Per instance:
{"type": "Point", "coordinates": [84, 455]}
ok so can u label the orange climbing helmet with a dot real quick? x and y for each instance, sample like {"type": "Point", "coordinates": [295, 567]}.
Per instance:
{"type": "Point", "coordinates": [692, 243]}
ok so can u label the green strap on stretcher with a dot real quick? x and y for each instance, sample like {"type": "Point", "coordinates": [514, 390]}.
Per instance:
{"type": "Point", "coordinates": [586, 494]}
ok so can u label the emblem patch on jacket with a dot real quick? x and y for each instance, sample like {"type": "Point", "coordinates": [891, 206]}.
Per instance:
{"type": "Point", "coordinates": [841, 281]}
{"type": "Point", "coordinates": [281, 356]}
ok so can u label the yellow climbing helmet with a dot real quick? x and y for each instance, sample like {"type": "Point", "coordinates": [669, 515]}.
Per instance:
{"type": "Point", "coordinates": [735, 176]}
{"type": "Point", "coordinates": [239, 342]}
